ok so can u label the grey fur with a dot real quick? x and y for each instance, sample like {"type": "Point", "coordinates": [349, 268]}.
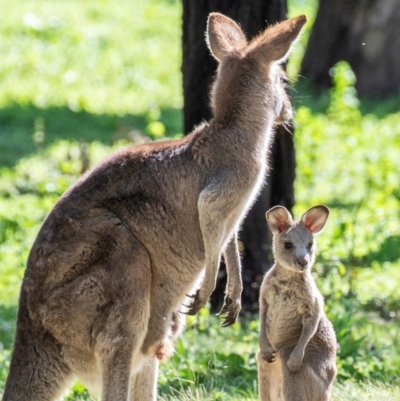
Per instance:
{"type": "Point", "coordinates": [296, 361]}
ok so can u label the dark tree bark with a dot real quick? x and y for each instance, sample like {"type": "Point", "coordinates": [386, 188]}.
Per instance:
{"type": "Point", "coordinates": [199, 68]}
{"type": "Point", "coordinates": [366, 34]}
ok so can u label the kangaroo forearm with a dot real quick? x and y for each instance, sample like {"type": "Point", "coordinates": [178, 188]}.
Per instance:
{"type": "Point", "coordinates": [214, 236]}
{"type": "Point", "coordinates": [210, 277]}
{"type": "Point", "coordinates": [310, 324]}
{"type": "Point", "coordinates": [232, 301]}
{"type": "Point", "coordinates": [233, 268]}
{"type": "Point", "coordinates": [263, 340]}
{"type": "Point", "coordinates": [263, 337]}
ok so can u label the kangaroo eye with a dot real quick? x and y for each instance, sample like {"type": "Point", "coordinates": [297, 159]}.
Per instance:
{"type": "Point", "coordinates": [309, 246]}
{"type": "Point", "coordinates": [284, 80]}
{"type": "Point", "coordinates": [288, 245]}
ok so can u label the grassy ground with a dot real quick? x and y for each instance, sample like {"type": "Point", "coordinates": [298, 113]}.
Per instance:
{"type": "Point", "coordinates": [83, 78]}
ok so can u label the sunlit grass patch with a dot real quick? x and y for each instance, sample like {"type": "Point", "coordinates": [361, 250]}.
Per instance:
{"type": "Point", "coordinates": [352, 391]}
{"type": "Point", "coordinates": [100, 56]}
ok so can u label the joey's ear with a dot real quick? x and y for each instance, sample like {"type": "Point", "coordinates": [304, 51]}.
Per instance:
{"type": "Point", "coordinates": [275, 43]}
{"type": "Point", "coordinates": [224, 36]}
{"type": "Point", "coordinates": [315, 218]}
{"type": "Point", "coordinates": [278, 218]}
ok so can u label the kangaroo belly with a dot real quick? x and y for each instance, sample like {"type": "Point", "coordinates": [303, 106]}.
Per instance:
{"type": "Point", "coordinates": [284, 323]}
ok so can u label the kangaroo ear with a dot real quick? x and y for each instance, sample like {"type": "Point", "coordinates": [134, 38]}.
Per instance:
{"type": "Point", "coordinates": [224, 36]}
{"type": "Point", "coordinates": [315, 218]}
{"type": "Point", "coordinates": [278, 218]}
{"type": "Point", "coordinates": [275, 43]}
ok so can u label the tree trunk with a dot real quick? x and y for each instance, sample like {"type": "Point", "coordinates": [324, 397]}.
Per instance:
{"type": "Point", "coordinates": [199, 69]}
{"type": "Point", "coordinates": [366, 34]}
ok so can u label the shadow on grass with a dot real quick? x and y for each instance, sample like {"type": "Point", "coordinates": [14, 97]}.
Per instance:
{"type": "Point", "coordinates": [8, 316]}
{"type": "Point", "coordinates": [24, 129]}
{"type": "Point", "coordinates": [389, 250]}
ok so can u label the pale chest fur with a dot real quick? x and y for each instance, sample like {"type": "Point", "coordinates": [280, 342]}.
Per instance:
{"type": "Point", "coordinates": [252, 187]}
{"type": "Point", "coordinates": [255, 180]}
{"type": "Point", "coordinates": [288, 301]}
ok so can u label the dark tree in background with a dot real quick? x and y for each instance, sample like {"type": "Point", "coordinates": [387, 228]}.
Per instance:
{"type": "Point", "coordinates": [366, 34]}
{"type": "Point", "coordinates": [199, 69]}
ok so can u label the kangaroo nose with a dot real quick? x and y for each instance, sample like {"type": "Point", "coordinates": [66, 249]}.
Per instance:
{"type": "Point", "coordinates": [302, 261]}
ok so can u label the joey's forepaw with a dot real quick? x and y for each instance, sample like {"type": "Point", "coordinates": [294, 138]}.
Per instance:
{"type": "Point", "coordinates": [268, 355]}
{"type": "Point", "coordinates": [294, 364]}
{"type": "Point", "coordinates": [230, 311]}
{"type": "Point", "coordinates": [195, 306]}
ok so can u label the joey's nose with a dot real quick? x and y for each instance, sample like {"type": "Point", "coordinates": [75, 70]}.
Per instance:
{"type": "Point", "coordinates": [302, 261]}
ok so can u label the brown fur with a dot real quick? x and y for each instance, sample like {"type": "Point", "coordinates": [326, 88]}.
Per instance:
{"type": "Point", "coordinates": [114, 259]}
{"type": "Point", "coordinates": [296, 361]}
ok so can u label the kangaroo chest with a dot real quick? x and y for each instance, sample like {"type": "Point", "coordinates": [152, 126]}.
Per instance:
{"type": "Point", "coordinates": [290, 297]}
{"type": "Point", "coordinates": [246, 185]}
{"type": "Point", "coordinates": [287, 302]}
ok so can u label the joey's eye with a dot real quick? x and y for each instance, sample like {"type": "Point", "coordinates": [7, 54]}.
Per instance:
{"type": "Point", "coordinates": [309, 246]}
{"type": "Point", "coordinates": [284, 79]}
{"type": "Point", "coordinates": [288, 245]}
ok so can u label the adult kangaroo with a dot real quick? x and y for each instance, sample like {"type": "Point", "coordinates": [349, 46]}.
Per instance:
{"type": "Point", "coordinates": [114, 259]}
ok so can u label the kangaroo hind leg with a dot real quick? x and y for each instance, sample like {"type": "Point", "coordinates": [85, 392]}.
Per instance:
{"type": "Point", "coordinates": [37, 369]}
{"type": "Point", "coordinates": [124, 325]}
{"type": "Point", "coordinates": [144, 382]}
{"type": "Point", "coordinates": [270, 380]}
{"type": "Point", "coordinates": [306, 384]}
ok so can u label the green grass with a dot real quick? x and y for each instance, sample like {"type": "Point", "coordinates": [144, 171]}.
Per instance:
{"type": "Point", "coordinates": [87, 70]}
{"type": "Point", "coordinates": [83, 78]}
{"type": "Point", "coordinates": [98, 56]}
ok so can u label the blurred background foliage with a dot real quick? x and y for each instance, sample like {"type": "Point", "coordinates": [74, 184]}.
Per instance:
{"type": "Point", "coordinates": [80, 79]}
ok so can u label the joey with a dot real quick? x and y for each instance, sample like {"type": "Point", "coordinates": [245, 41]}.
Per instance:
{"type": "Point", "coordinates": [297, 342]}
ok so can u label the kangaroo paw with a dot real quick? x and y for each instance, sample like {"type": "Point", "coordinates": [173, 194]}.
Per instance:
{"type": "Point", "coordinates": [230, 311]}
{"type": "Point", "coordinates": [195, 306]}
{"type": "Point", "coordinates": [268, 355]}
